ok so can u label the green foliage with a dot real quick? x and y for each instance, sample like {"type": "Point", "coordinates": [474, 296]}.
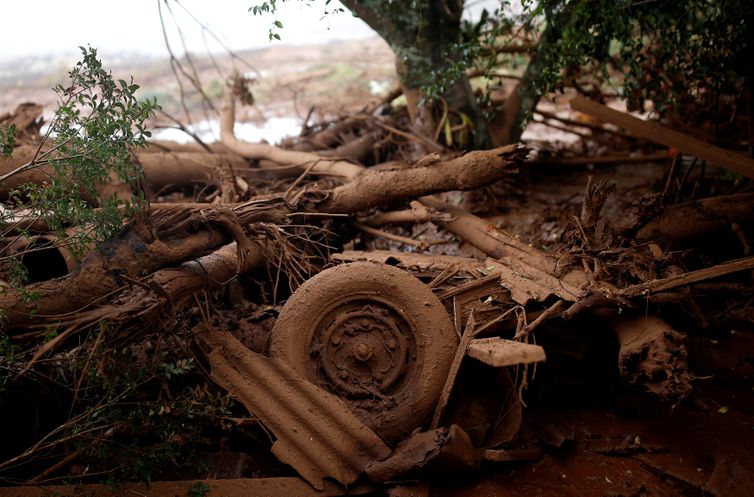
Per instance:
{"type": "Point", "coordinates": [662, 49]}
{"type": "Point", "coordinates": [136, 418]}
{"type": "Point", "coordinates": [178, 368]}
{"type": "Point", "coordinates": [268, 7]}
{"type": "Point", "coordinates": [7, 348]}
{"type": "Point", "coordinates": [198, 489]}
{"type": "Point", "coordinates": [7, 140]}
{"type": "Point", "coordinates": [88, 145]}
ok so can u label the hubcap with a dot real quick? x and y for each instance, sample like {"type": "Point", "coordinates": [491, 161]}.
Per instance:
{"type": "Point", "coordinates": [363, 348]}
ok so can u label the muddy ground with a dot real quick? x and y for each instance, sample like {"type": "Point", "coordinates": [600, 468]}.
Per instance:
{"type": "Point", "coordinates": [587, 432]}
{"type": "Point", "coordinates": [602, 438]}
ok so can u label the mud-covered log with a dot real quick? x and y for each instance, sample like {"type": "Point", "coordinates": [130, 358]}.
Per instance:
{"type": "Point", "coordinates": [482, 235]}
{"type": "Point", "coordinates": [103, 271]}
{"type": "Point", "coordinates": [652, 356]}
{"type": "Point", "coordinates": [695, 219]}
{"type": "Point", "coordinates": [27, 119]}
{"type": "Point", "coordinates": [21, 155]}
{"type": "Point", "coordinates": [172, 287]}
{"type": "Point", "coordinates": [356, 150]}
{"type": "Point", "coordinates": [180, 235]}
{"type": "Point", "coordinates": [657, 133]}
{"type": "Point", "coordinates": [161, 146]}
{"type": "Point", "coordinates": [528, 272]}
{"type": "Point", "coordinates": [181, 168]}
{"type": "Point", "coordinates": [161, 169]}
{"type": "Point", "coordinates": [381, 188]}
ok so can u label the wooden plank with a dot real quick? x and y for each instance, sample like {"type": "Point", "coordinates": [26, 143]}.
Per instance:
{"type": "Point", "coordinates": [499, 352]}
{"type": "Point", "coordinates": [657, 133]}
{"type": "Point", "coordinates": [678, 280]}
{"type": "Point", "coordinates": [442, 402]}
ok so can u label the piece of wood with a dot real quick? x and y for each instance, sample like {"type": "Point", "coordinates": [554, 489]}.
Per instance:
{"type": "Point", "coordinates": [699, 218]}
{"type": "Point", "coordinates": [684, 279]}
{"type": "Point", "coordinates": [499, 352]}
{"type": "Point", "coordinates": [442, 402]}
{"type": "Point", "coordinates": [657, 133]}
{"type": "Point", "coordinates": [411, 260]}
{"type": "Point", "coordinates": [263, 151]}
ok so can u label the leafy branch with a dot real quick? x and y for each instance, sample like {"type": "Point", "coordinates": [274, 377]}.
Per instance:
{"type": "Point", "coordinates": [87, 146]}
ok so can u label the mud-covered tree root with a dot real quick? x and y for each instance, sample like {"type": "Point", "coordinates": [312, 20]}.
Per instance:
{"type": "Point", "coordinates": [382, 188]}
{"type": "Point", "coordinates": [261, 151]}
{"type": "Point", "coordinates": [177, 235]}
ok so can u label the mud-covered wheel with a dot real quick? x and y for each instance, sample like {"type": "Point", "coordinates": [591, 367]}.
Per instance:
{"type": "Point", "coordinates": [375, 336]}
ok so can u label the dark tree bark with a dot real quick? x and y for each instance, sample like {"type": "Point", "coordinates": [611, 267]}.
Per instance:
{"type": "Point", "coordinates": [422, 35]}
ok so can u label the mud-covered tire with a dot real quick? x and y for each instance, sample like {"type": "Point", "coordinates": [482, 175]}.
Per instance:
{"type": "Point", "coordinates": [375, 336]}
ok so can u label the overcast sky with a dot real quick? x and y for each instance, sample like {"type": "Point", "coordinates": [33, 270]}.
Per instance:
{"type": "Point", "coordinates": [40, 27]}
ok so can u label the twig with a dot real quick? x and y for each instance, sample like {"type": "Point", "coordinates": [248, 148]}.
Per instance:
{"type": "Point", "coordinates": [431, 144]}
{"type": "Point", "coordinates": [684, 279]}
{"type": "Point", "coordinates": [419, 244]}
{"type": "Point", "coordinates": [547, 314]}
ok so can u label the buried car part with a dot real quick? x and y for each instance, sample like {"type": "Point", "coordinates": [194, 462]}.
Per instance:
{"type": "Point", "coordinates": [316, 433]}
{"type": "Point", "coordinates": [375, 336]}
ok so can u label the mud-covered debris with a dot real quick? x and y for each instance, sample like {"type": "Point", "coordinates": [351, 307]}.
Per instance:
{"type": "Point", "coordinates": [734, 162]}
{"type": "Point", "coordinates": [410, 490]}
{"type": "Point", "coordinates": [652, 356]}
{"type": "Point", "coordinates": [316, 433]}
{"type": "Point", "coordinates": [499, 352]}
{"type": "Point", "coordinates": [442, 451]}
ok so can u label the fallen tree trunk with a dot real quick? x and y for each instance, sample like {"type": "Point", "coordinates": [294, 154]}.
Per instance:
{"type": "Point", "coordinates": [178, 235]}
{"type": "Point", "coordinates": [698, 218]}
{"type": "Point", "coordinates": [168, 289]}
{"type": "Point", "coordinates": [161, 169]}
{"type": "Point", "coordinates": [379, 188]}
{"type": "Point", "coordinates": [162, 146]}
{"type": "Point", "coordinates": [657, 133]}
{"type": "Point", "coordinates": [21, 155]}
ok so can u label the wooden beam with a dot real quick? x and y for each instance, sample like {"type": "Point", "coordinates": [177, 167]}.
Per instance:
{"type": "Point", "coordinates": [675, 281]}
{"type": "Point", "coordinates": [657, 133]}
{"type": "Point", "coordinates": [500, 353]}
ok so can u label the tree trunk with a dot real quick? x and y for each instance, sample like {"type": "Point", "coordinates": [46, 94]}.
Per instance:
{"type": "Point", "coordinates": [508, 126]}
{"type": "Point", "coordinates": [422, 38]}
